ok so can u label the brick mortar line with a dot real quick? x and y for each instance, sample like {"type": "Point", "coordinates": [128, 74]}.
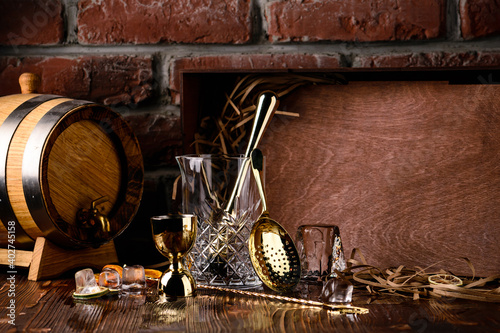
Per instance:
{"type": "Point", "coordinates": [367, 48]}
{"type": "Point", "coordinates": [70, 14]}
{"type": "Point", "coordinates": [453, 20]}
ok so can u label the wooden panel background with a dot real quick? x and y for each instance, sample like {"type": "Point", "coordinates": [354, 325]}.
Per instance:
{"type": "Point", "coordinates": [409, 171]}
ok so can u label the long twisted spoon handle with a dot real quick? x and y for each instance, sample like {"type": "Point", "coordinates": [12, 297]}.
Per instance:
{"type": "Point", "coordinates": [337, 308]}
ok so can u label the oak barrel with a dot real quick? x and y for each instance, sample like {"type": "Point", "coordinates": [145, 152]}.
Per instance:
{"type": "Point", "coordinates": [70, 171]}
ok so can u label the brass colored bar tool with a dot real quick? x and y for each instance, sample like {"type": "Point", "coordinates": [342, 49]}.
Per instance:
{"type": "Point", "coordinates": [174, 236]}
{"type": "Point", "coordinates": [266, 107]}
{"type": "Point", "coordinates": [337, 308]}
{"type": "Point", "coordinates": [272, 251]}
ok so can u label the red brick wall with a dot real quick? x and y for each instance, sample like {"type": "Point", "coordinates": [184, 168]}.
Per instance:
{"type": "Point", "coordinates": [129, 53]}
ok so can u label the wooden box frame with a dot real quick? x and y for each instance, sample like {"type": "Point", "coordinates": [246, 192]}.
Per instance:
{"type": "Point", "coordinates": [204, 90]}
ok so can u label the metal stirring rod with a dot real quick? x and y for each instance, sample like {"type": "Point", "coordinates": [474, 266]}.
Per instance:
{"type": "Point", "coordinates": [337, 308]}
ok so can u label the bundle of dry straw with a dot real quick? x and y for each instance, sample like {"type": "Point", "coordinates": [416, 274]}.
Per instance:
{"type": "Point", "coordinates": [223, 133]}
{"type": "Point", "coordinates": [421, 282]}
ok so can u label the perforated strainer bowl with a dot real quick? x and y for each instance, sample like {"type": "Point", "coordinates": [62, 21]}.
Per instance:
{"type": "Point", "coordinates": [273, 255]}
{"type": "Point", "coordinates": [272, 251]}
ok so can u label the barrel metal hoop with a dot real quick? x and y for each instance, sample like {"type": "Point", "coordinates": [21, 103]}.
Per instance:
{"type": "Point", "coordinates": [7, 130]}
{"type": "Point", "coordinates": [32, 160]}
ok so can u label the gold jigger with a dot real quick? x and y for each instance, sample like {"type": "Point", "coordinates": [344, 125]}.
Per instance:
{"type": "Point", "coordinates": [174, 236]}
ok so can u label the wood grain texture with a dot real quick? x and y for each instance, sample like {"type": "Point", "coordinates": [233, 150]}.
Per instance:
{"type": "Point", "coordinates": [83, 166]}
{"type": "Point", "coordinates": [14, 172]}
{"type": "Point", "coordinates": [19, 258]}
{"type": "Point", "coordinates": [97, 155]}
{"type": "Point", "coordinates": [9, 104]}
{"type": "Point", "coordinates": [409, 171]}
{"type": "Point", "coordinates": [87, 151]}
{"type": "Point", "coordinates": [48, 306]}
{"type": "Point", "coordinates": [50, 261]}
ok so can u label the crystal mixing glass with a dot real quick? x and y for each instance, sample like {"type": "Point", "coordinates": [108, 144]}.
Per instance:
{"type": "Point", "coordinates": [220, 255]}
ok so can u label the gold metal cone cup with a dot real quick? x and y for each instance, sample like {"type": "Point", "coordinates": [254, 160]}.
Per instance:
{"type": "Point", "coordinates": [174, 236]}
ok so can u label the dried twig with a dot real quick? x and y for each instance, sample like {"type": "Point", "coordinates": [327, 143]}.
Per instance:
{"type": "Point", "coordinates": [224, 133]}
{"type": "Point", "coordinates": [416, 283]}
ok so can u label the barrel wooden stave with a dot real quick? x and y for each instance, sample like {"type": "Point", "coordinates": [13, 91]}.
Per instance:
{"type": "Point", "coordinates": [88, 152]}
{"type": "Point", "coordinates": [14, 167]}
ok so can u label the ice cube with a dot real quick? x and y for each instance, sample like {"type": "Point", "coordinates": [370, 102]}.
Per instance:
{"type": "Point", "coordinates": [133, 279]}
{"type": "Point", "coordinates": [337, 290]}
{"type": "Point", "coordinates": [85, 282]}
{"type": "Point", "coordinates": [109, 278]}
{"type": "Point", "coordinates": [320, 251]}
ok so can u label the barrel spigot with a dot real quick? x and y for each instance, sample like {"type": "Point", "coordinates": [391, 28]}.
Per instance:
{"type": "Point", "coordinates": [95, 223]}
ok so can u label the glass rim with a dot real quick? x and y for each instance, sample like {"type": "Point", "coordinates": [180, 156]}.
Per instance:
{"type": "Point", "coordinates": [213, 156]}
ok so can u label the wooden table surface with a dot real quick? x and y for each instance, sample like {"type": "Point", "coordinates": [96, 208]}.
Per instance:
{"type": "Point", "coordinates": [48, 306]}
